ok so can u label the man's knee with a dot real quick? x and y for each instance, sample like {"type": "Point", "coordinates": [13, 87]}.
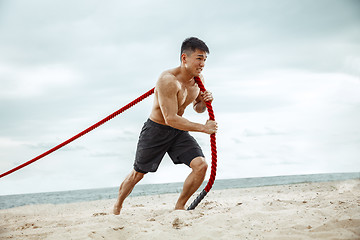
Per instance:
{"type": "Point", "coordinates": [136, 176]}
{"type": "Point", "coordinates": [199, 165]}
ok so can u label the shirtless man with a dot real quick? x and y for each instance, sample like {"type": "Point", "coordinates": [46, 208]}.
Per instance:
{"type": "Point", "coordinates": [166, 131]}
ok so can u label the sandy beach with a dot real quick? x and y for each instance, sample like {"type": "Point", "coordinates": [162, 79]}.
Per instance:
{"type": "Point", "coordinates": [329, 210]}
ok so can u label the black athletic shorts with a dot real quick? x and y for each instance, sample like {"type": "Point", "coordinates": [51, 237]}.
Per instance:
{"type": "Point", "coordinates": [156, 139]}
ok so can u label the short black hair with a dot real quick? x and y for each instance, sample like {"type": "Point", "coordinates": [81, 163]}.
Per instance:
{"type": "Point", "coordinates": [193, 43]}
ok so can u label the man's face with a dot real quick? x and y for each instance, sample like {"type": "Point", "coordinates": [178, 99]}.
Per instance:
{"type": "Point", "coordinates": [195, 63]}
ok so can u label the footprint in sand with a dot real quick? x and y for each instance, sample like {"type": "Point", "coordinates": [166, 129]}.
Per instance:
{"type": "Point", "coordinates": [100, 214]}
{"type": "Point", "coordinates": [177, 223]}
{"type": "Point", "coordinates": [27, 225]}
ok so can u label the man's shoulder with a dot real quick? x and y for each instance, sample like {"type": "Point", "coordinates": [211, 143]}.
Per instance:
{"type": "Point", "coordinates": [168, 78]}
{"type": "Point", "coordinates": [167, 75]}
{"type": "Point", "coordinates": [170, 74]}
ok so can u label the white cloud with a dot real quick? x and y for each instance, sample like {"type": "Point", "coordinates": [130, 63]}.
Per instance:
{"type": "Point", "coordinates": [284, 75]}
{"type": "Point", "coordinates": [25, 82]}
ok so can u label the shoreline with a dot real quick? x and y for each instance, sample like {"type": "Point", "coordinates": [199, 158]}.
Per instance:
{"type": "Point", "coordinates": [320, 210]}
{"type": "Point", "coordinates": [85, 195]}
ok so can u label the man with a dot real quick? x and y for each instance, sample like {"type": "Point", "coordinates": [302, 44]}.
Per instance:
{"type": "Point", "coordinates": [166, 131]}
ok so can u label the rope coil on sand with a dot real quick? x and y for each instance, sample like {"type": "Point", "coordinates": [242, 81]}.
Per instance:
{"type": "Point", "coordinates": [116, 113]}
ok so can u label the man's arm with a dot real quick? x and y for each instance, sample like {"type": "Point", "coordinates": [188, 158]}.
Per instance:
{"type": "Point", "coordinates": [167, 90]}
{"type": "Point", "coordinates": [199, 103]}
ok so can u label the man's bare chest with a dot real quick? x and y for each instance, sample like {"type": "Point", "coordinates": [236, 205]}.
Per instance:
{"type": "Point", "coordinates": [187, 95]}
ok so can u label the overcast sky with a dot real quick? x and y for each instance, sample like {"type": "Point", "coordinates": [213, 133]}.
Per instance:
{"type": "Point", "coordinates": [285, 76]}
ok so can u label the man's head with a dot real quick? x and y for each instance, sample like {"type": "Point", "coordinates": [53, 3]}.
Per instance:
{"type": "Point", "coordinates": [193, 55]}
{"type": "Point", "coordinates": [189, 46]}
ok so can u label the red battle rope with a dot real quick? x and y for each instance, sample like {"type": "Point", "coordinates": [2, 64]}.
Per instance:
{"type": "Point", "coordinates": [111, 116]}
{"type": "Point", "coordinates": [213, 153]}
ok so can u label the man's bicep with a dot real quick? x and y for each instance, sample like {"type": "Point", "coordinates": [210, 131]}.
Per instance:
{"type": "Point", "coordinates": [168, 99]}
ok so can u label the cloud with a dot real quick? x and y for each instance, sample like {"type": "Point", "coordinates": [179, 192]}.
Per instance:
{"type": "Point", "coordinates": [47, 146]}
{"type": "Point", "coordinates": [20, 83]}
{"type": "Point", "coordinates": [285, 77]}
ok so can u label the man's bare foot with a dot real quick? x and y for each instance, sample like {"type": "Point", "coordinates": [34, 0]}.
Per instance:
{"type": "Point", "coordinates": [179, 207]}
{"type": "Point", "coordinates": [116, 209]}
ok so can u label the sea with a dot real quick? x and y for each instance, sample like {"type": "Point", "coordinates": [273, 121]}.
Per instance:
{"type": "Point", "coordinates": [11, 201]}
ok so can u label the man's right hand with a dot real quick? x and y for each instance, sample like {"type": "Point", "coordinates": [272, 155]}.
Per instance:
{"type": "Point", "coordinates": [211, 127]}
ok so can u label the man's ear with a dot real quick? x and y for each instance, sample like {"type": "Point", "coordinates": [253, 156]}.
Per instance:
{"type": "Point", "coordinates": [183, 58]}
